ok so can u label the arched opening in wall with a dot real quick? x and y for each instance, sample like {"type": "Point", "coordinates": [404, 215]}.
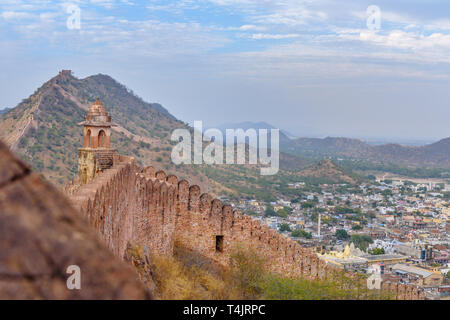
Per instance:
{"type": "Point", "coordinates": [219, 243]}
{"type": "Point", "coordinates": [88, 138]}
{"type": "Point", "coordinates": [101, 139]}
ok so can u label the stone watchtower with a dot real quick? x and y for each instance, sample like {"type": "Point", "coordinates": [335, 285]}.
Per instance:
{"type": "Point", "coordinates": [96, 154]}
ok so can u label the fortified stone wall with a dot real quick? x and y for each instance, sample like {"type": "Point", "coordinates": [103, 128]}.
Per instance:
{"type": "Point", "coordinates": [146, 207]}
{"type": "Point", "coordinates": [108, 203]}
{"type": "Point", "coordinates": [124, 206]}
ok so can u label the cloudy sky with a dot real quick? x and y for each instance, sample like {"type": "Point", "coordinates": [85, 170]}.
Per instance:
{"type": "Point", "coordinates": [338, 68]}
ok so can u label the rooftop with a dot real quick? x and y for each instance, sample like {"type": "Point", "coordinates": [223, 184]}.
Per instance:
{"type": "Point", "coordinates": [378, 257]}
{"type": "Point", "coordinates": [410, 269]}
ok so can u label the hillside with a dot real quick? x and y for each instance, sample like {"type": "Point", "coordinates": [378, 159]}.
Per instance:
{"type": "Point", "coordinates": [326, 171]}
{"type": "Point", "coordinates": [43, 130]}
{"type": "Point", "coordinates": [435, 155]}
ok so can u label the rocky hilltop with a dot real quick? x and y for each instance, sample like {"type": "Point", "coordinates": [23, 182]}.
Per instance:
{"type": "Point", "coordinates": [327, 171]}
{"type": "Point", "coordinates": [43, 128]}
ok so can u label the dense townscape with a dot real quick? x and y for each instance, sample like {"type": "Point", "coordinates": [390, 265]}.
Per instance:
{"type": "Point", "coordinates": [396, 228]}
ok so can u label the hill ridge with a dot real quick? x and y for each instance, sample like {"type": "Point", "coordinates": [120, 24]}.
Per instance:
{"type": "Point", "coordinates": [328, 171]}
{"type": "Point", "coordinates": [51, 143]}
{"type": "Point", "coordinates": [435, 154]}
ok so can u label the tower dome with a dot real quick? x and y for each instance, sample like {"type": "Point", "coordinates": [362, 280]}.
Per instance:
{"type": "Point", "coordinates": [97, 114]}
{"type": "Point", "coordinates": [97, 108]}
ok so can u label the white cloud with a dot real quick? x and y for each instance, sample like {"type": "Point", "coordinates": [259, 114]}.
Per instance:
{"type": "Point", "coordinates": [386, 16]}
{"type": "Point", "coordinates": [15, 15]}
{"type": "Point", "coordinates": [247, 27]}
{"type": "Point", "coordinates": [291, 17]}
{"type": "Point", "coordinates": [258, 36]}
{"type": "Point", "coordinates": [407, 40]}
{"type": "Point", "coordinates": [321, 36]}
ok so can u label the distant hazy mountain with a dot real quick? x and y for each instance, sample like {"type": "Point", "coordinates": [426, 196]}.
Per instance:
{"type": "Point", "coordinates": [432, 155]}
{"type": "Point", "coordinates": [285, 137]}
{"type": "Point", "coordinates": [402, 141]}
{"type": "Point", "coordinates": [254, 125]}
{"type": "Point", "coordinates": [5, 110]}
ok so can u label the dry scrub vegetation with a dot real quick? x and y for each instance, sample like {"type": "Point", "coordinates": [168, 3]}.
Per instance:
{"type": "Point", "coordinates": [189, 276]}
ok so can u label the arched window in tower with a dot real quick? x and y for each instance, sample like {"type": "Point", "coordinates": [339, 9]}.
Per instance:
{"type": "Point", "coordinates": [88, 139]}
{"type": "Point", "coordinates": [101, 139]}
{"type": "Point", "coordinates": [84, 176]}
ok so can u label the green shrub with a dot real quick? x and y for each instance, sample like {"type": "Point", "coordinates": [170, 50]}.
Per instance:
{"type": "Point", "coordinates": [247, 269]}
{"type": "Point", "coordinates": [249, 273]}
{"type": "Point", "coordinates": [284, 227]}
{"type": "Point", "coordinates": [301, 234]}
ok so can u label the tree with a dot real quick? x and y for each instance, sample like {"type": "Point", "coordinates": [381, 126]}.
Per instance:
{"type": "Point", "coordinates": [270, 212]}
{"type": "Point", "coordinates": [357, 227]}
{"type": "Point", "coordinates": [377, 251]}
{"type": "Point", "coordinates": [284, 212]}
{"type": "Point", "coordinates": [341, 234]}
{"type": "Point", "coordinates": [307, 204]}
{"type": "Point", "coordinates": [361, 241]}
{"type": "Point", "coordinates": [371, 215]}
{"type": "Point", "coordinates": [301, 234]}
{"type": "Point", "coordinates": [436, 265]}
{"type": "Point", "coordinates": [285, 227]}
